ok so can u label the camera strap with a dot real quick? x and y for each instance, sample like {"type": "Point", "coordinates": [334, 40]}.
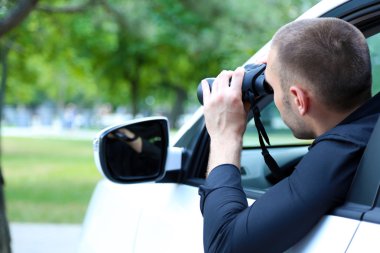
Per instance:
{"type": "Point", "coordinates": [269, 160]}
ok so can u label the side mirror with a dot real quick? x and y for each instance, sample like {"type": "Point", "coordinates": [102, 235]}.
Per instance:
{"type": "Point", "coordinates": [133, 152]}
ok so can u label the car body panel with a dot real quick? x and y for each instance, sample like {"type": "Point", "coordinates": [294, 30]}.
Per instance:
{"type": "Point", "coordinates": [144, 217]}
{"type": "Point", "coordinates": [331, 234]}
{"type": "Point", "coordinates": [368, 236]}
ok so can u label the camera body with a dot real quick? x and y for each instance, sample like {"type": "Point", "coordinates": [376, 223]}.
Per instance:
{"type": "Point", "coordinates": [253, 82]}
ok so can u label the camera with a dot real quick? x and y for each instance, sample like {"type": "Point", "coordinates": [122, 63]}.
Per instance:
{"type": "Point", "coordinates": [253, 83]}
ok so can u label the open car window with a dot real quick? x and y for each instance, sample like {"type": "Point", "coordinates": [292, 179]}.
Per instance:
{"type": "Point", "coordinates": [279, 134]}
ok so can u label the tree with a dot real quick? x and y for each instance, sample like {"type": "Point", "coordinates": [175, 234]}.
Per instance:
{"type": "Point", "coordinates": [7, 23]}
{"type": "Point", "coordinates": [4, 227]}
{"type": "Point", "coordinates": [124, 52]}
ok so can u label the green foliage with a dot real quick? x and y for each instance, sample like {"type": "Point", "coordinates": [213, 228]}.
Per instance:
{"type": "Point", "coordinates": [374, 48]}
{"type": "Point", "coordinates": [125, 51]}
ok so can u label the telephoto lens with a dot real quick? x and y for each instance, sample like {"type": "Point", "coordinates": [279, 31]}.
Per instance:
{"type": "Point", "coordinates": [253, 82]}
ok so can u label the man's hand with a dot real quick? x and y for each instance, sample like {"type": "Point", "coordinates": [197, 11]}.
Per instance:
{"type": "Point", "coordinates": [225, 117]}
{"type": "Point", "coordinates": [136, 141]}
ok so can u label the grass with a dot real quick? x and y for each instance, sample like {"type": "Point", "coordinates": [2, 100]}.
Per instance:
{"type": "Point", "coordinates": [48, 180]}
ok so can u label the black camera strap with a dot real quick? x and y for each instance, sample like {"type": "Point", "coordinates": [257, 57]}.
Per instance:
{"type": "Point", "coordinates": [269, 160]}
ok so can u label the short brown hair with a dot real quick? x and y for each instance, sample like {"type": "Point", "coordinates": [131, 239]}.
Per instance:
{"type": "Point", "coordinates": [330, 55]}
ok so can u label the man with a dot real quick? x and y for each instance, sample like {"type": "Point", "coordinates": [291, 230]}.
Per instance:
{"type": "Point", "coordinates": [320, 72]}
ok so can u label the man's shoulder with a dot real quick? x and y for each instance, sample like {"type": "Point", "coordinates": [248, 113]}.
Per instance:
{"type": "Point", "coordinates": [357, 128]}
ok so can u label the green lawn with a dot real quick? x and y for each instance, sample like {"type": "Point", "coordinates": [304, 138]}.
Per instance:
{"type": "Point", "coordinates": [48, 180]}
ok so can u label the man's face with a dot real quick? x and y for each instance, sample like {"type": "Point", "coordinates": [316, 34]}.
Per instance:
{"type": "Point", "coordinates": [284, 100]}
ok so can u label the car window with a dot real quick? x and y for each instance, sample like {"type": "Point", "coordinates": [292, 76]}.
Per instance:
{"type": "Point", "coordinates": [279, 133]}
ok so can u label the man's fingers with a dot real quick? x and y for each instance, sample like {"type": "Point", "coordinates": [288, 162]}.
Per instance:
{"type": "Point", "coordinates": [227, 81]}
{"type": "Point", "coordinates": [206, 91]}
{"type": "Point", "coordinates": [223, 79]}
{"type": "Point", "coordinates": [237, 79]}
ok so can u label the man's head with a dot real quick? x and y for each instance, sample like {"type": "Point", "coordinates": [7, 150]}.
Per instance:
{"type": "Point", "coordinates": [327, 58]}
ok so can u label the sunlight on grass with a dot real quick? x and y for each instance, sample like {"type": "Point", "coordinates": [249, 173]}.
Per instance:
{"type": "Point", "coordinates": [48, 180]}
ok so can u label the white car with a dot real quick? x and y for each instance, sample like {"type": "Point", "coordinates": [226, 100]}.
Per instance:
{"type": "Point", "coordinates": [157, 209]}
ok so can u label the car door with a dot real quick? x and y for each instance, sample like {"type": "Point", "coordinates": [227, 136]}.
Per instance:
{"type": "Point", "coordinates": [365, 190]}
{"type": "Point", "coordinates": [364, 198]}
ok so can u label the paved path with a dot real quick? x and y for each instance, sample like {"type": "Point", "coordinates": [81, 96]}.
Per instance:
{"type": "Point", "coordinates": [44, 238]}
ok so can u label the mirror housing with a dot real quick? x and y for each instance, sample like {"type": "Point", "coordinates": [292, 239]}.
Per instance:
{"type": "Point", "coordinates": [133, 152]}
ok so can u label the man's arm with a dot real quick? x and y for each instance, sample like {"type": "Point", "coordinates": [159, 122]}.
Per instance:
{"type": "Point", "coordinates": [286, 212]}
{"type": "Point", "coordinates": [225, 118]}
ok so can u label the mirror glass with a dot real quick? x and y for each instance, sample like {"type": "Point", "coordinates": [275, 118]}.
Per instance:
{"type": "Point", "coordinates": [136, 151]}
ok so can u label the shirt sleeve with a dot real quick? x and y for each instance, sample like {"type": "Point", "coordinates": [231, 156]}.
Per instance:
{"type": "Point", "coordinates": [286, 212]}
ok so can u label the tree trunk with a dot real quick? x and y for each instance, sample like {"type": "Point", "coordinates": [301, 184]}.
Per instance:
{"type": "Point", "coordinates": [178, 106]}
{"type": "Point", "coordinates": [134, 78]}
{"type": "Point", "coordinates": [17, 15]}
{"type": "Point", "coordinates": [5, 238]}
{"type": "Point", "coordinates": [134, 97]}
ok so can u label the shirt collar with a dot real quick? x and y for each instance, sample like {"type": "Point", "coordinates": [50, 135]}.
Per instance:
{"type": "Point", "coordinates": [372, 106]}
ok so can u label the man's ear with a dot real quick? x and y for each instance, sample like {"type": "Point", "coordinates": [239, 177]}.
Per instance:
{"type": "Point", "coordinates": [300, 99]}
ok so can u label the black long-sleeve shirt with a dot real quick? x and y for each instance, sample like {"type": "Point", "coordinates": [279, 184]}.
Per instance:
{"type": "Point", "coordinates": [288, 210]}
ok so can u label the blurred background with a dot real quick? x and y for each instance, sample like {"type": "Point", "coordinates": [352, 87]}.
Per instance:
{"type": "Point", "coordinates": [70, 68]}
